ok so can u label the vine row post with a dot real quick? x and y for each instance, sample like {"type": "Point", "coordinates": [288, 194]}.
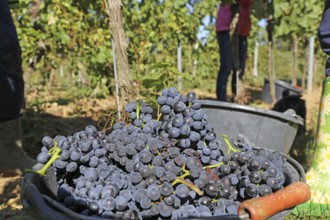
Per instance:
{"type": "Point", "coordinates": [116, 79]}
{"type": "Point", "coordinates": [310, 64]}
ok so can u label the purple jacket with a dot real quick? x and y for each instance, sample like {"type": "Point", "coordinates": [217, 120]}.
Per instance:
{"type": "Point", "coordinates": [223, 18]}
{"type": "Point", "coordinates": [11, 77]}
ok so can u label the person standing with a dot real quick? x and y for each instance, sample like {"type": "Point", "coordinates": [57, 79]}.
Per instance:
{"type": "Point", "coordinates": [223, 22]}
{"type": "Point", "coordinates": [227, 27]}
{"type": "Point", "coordinates": [243, 29]}
{"type": "Point", "coordinates": [12, 157]}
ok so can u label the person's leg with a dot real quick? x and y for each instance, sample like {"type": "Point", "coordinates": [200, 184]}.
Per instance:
{"type": "Point", "coordinates": [12, 156]}
{"type": "Point", "coordinates": [235, 61]}
{"type": "Point", "coordinates": [233, 82]}
{"type": "Point", "coordinates": [225, 64]}
{"type": "Point", "coordinates": [243, 45]}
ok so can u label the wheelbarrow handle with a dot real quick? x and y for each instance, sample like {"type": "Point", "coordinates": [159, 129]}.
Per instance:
{"type": "Point", "coordinates": [264, 207]}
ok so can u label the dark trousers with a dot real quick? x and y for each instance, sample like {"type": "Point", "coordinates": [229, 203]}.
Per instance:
{"type": "Point", "coordinates": [225, 64]}
{"type": "Point", "coordinates": [242, 53]}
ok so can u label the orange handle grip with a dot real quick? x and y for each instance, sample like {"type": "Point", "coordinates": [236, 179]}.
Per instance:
{"type": "Point", "coordinates": [264, 207]}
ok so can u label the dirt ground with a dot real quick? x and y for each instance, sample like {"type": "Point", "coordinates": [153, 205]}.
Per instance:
{"type": "Point", "coordinates": [53, 118]}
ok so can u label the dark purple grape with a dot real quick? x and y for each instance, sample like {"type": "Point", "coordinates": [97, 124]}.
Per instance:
{"type": "Point", "coordinates": [210, 136]}
{"type": "Point", "coordinates": [243, 158]}
{"type": "Point", "coordinates": [161, 100]}
{"type": "Point", "coordinates": [135, 177]}
{"type": "Point", "coordinates": [108, 204]}
{"type": "Point", "coordinates": [43, 157]}
{"type": "Point", "coordinates": [225, 192]}
{"type": "Point", "coordinates": [145, 156]}
{"type": "Point", "coordinates": [172, 92]}
{"type": "Point", "coordinates": [188, 112]}
{"type": "Point", "coordinates": [255, 177]}
{"type": "Point", "coordinates": [264, 175]}
{"type": "Point", "coordinates": [226, 182]}
{"type": "Point", "coordinates": [244, 181]}
{"type": "Point", "coordinates": [109, 191]}
{"type": "Point", "coordinates": [191, 96]}
{"type": "Point", "coordinates": [233, 165]}
{"type": "Point", "coordinates": [205, 201]}
{"type": "Point", "coordinates": [71, 167]}
{"type": "Point", "coordinates": [182, 191]}
{"type": "Point", "coordinates": [225, 169]}
{"type": "Point", "coordinates": [255, 164]}
{"type": "Point", "coordinates": [233, 179]}
{"type": "Point", "coordinates": [272, 171]}
{"type": "Point", "coordinates": [266, 164]}
{"type": "Point", "coordinates": [197, 125]}
{"type": "Point", "coordinates": [179, 106]}
{"type": "Point", "coordinates": [194, 136]}
{"type": "Point", "coordinates": [211, 189]}
{"type": "Point", "coordinates": [174, 132]}
{"type": "Point", "coordinates": [93, 193]}
{"type": "Point", "coordinates": [185, 143]}
{"type": "Point", "coordinates": [252, 190]}
{"type": "Point", "coordinates": [165, 210]}
{"type": "Point", "coordinates": [196, 105]}
{"type": "Point", "coordinates": [265, 190]}
{"type": "Point", "coordinates": [75, 154]}
{"type": "Point", "coordinates": [145, 171]}
{"type": "Point", "coordinates": [47, 141]}
{"type": "Point", "coordinates": [198, 115]}
{"type": "Point", "coordinates": [137, 122]}
{"type": "Point", "coordinates": [139, 194]}
{"type": "Point", "coordinates": [121, 203]}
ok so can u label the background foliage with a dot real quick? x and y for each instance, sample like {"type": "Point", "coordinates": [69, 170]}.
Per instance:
{"type": "Point", "coordinates": [67, 43]}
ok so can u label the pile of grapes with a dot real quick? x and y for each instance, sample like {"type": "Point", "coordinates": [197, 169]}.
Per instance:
{"type": "Point", "coordinates": [168, 164]}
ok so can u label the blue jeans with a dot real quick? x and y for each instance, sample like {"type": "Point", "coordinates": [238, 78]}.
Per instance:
{"type": "Point", "coordinates": [225, 64]}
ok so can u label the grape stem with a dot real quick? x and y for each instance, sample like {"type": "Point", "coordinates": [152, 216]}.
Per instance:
{"type": "Point", "coordinates": [55, 152]}
{"type": "Point", "coordinates": [189, 184]}
{"type": "Point", "coordinates": [215, 200]}
{"type": "Point", "coordinates": [158, 113]}
{"type": "Point", "coordinates": [185, 172]}
{"type": "Point", "coordinates": [230, 147]}
{"type": "Point", "coordinates": [213, 166]}
{"type": "Point", "coordinates": [138, 108]}
{"type": "Point", "coordinates": [181, 179]}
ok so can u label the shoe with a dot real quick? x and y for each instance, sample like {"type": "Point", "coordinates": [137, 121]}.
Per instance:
{"type": "Point", "coordinates": [240, 75]}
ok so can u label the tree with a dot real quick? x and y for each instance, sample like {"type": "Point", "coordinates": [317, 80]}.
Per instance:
{"type": "Point", "coordinates": [128, 90]}
{"type": "Point", "coordinates": [299, 21]}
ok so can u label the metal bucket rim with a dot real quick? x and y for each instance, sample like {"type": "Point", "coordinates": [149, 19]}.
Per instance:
{"type": "Point", "coordinates": [245, 108]}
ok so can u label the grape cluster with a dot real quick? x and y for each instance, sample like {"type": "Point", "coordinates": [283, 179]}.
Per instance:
{"type": "Point", "coordinates": [168, 165]}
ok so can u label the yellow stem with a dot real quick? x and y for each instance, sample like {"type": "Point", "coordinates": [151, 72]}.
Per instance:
{"type": "Point", "coordinates": [230, 147]}
{"type": "Point", "coordinates": [189, 184]}
{"type": "Point", "coordinates": [215, 200]}
{"type": "Point", "coordinates": [55, 151]}
{"type": "Point", "coordinates": [138, 108]}
{"type": "Point", "coordinates": [213, 166]}
{"type": "Point", "coordinates": [158, 112]}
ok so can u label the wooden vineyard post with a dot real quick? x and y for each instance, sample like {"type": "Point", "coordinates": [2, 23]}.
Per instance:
{"type": "Point", "coordinates": [128, 91]}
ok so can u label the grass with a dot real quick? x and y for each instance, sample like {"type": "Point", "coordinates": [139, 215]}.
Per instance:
{"type": "Point", "coordinates": [310, 211]}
